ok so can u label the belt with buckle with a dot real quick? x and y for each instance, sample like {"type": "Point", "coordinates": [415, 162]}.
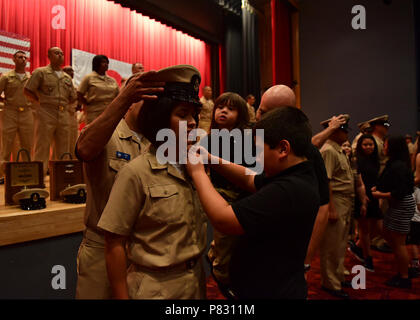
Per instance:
{"type": "Point", "coordinates": [21, 109]}
{"type": "Point", "coordinates": [61, 108]}
{"type": "Point", "coordinates": [184, 266]}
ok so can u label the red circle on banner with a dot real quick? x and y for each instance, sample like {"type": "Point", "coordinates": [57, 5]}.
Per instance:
{"type": "Point", "coordinates": [114, 74]}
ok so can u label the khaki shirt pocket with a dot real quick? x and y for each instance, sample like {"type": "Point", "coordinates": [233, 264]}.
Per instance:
{"type": "Point", "coordinates": [166, 203]}
{"type": "Point", "coordinates": [117, 164]}
{"type": "Point", "coordinates": [344, 166]}
{"type": "Point", "coordinates": [12, 87]}
{"type": "Point", "coordinates": [48, 87]}
{"type": "Point", "coordinates": [134, 283]}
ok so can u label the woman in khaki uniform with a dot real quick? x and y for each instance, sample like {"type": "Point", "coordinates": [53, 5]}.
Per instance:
{"type": "Point", "coordinates": [153, 209]}
{"type": "Point", "coordinates": [97, 90]}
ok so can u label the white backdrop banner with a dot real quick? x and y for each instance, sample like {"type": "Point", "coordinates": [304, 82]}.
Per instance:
{"type": "Point", "coordinates": [82, 65]}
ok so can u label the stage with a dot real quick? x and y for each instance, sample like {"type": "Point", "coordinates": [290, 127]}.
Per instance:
{"type": "Point", "coordinates": [58, 218]}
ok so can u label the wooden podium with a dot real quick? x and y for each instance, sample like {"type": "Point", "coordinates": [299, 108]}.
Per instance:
{"type": "Point", "coordinates": [63, 174]}
{"type": "Point", "coordinates": [19, 175]}
{"type": "Point", "coordinates": [58, 218]}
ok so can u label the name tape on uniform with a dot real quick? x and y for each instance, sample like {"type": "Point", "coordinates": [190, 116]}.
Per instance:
{"type": "Point", "coordinates": [122, 155]}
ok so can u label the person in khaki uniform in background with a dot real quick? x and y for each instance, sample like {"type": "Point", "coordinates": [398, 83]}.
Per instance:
{"type": "Point", "coordinates": [207, 109]}
{"type": "Point", "coordinates": [55, 91]}
{"type": "Point", "coordinates": [364, 128]}
{"type": "Point", "coordinates": [17, 114]}
{"type": "Point", "coordinates": [333, 243]}
{"type": "Point", "coordinates": [153, 209]}
{"type": "Point", "coordinates": [97, 90]}
{"type": "Point", "coordinates": [137, 67]}
{"type": "Point", "coordinates": [74, 124]}
{"type": "Point", "coordinates": [250, 100]}
{"type": "Point", "coordinates": [105, 146]}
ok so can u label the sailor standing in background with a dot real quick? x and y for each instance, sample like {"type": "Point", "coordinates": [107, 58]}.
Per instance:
{"type": "Point", "coordinates": [54, 90]}
{"type": "Point", "coordinates": [74, 124]}
{"type": "Point", "coordinates": [207, 109]}
{"type": "Point", "coordinates": [17, 112]}
{"type": "Point", "coordinates": [97, 90]}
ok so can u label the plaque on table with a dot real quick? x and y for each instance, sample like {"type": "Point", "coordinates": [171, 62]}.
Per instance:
{"type": "Point", "coordinates": [20, 175]}
{"type": "Point", "coordinates": [64, 174]}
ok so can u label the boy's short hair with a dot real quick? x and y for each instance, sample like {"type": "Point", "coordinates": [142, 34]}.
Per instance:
{"type": "Point", "coordinates": [287, 123]}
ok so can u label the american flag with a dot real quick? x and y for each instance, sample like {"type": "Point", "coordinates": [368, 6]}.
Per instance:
{"type": "Point", "coordinates": [9, 44]}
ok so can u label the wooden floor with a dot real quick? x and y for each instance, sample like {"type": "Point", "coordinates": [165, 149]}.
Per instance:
{"type": "Point", "coordinates": [58, 218]}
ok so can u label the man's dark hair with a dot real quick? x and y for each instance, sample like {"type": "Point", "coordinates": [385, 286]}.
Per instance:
{"type": "Point", "coordinates": [97, 60]}
{"type": "Point", "coordinates": [20, 51]}
{"type": "Point", "coordinates": [287, 123]}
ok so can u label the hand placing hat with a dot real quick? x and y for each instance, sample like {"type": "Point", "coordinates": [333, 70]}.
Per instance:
{"type": "Point", "coordinates": [337, 121]}
{"type": "Point", "coordinates": [141, 86]}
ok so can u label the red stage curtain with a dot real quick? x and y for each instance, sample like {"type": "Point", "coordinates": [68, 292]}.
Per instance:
{"type": "Point", "coordinates": [103, 27]}
{"type": "Point", "coordinates": [222, 68]}
{"type": "Point", "coordinates": [281, 42]}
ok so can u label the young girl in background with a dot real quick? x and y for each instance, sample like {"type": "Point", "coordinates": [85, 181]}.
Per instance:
{"type": "Point", "coordinates": [230, 112]}
{"type": "Point", "coordinates": [396, 185]}
{"type": "Point", "coordinates": [367, 162]}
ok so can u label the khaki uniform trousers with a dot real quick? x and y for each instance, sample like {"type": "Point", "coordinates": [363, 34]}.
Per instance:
{"type": "Point", "coordinates": [92, 280]}
{"type": "Point", "coordinates": [176, 283]}
{"type": "Point", "coordinates": [73, 132]}
{"type": "Point", "coordinates": [334, 243]}
{"type": "Point", "coordinates": [52, 125]}
{"type": "Point", "coordinates": [220, 254]}
{"type": "Point", "coordinates": [20, 123]}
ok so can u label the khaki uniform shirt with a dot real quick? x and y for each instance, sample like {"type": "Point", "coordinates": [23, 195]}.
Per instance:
{"type": "Point", "coordinates": [411, 148]}
{"type": "Point", "coordinates": [12, 86]}
{"type": "Point", "coordinates": [158, 207]}
{"type": "Point", "coordinates": [98, 89]}
{"type": "Point", "coordinates": [52, 90]}
{"type": "Point", "coordinates": [382, 157]}
{"type": "Point", "coordinates": [251, 113]}
{"type": "Point", "coordinates": [73, 106]}
{"type": "Point", "coordinates": [101, 172]}
{"type": "Point", "coordinates": [207, 109]}
{"type": "Point", "coordinates": [338, 168]}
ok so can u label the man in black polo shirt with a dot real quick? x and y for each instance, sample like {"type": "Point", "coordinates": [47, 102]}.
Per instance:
{"type": "Point", "coordinates": [279, 96]}
{"type": "Point", "coordinates": [276, 221]}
